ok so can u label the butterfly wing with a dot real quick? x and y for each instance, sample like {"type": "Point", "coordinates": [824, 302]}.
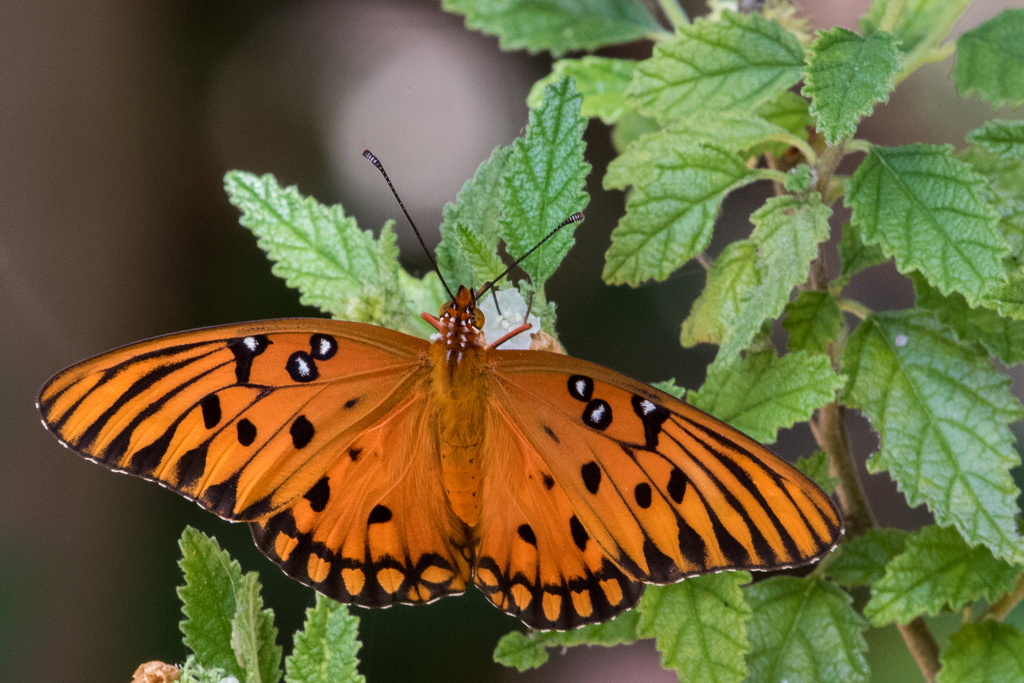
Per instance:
{"type": "Point", "coordinates": [664, 489]}
{"type": "Point", "coordinates": [283, 423]}
{"type": "Point", "coordinates": [534, 558]}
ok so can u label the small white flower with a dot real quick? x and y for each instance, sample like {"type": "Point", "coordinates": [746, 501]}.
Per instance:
{"type": "Point", "coordinates": [513, 310]}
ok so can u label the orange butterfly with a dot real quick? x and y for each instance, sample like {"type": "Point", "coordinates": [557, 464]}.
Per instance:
{"type": "Point", "coordinates": [380, 468]}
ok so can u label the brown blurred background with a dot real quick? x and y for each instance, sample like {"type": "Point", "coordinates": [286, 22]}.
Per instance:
{"type": "Point", "coordinates": [118, 120]}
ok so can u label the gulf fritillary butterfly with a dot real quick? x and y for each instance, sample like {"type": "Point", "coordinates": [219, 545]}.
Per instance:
{"type": "Point", "coordinates": [381, 468]}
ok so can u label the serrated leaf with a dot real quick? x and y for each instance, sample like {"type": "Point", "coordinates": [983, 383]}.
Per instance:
{"type": "Point", "coordinates": [1005, 176]}
{"type": "Point", "coordinates": [930, 212]}
{"type": "Point", "coordinates": [813, 321]}
{"type": "Point", "coordinates": [861, 561]}
{"type": "Point", "coordinates": [940, 410]}
{"type": "Point", "coordinates": [990, 60]}
{"type": "Point", "coordinates": [804, 630]}
{"type": "Point", "coordinates": [470, 229]}
{"type": "Point", "coordinates": [762, 393]}
{"type": "Point", "coordinates": [699, 626]}
{"type": "Point", "coordinates": [732, 65]}
{"type": "Point", "coordinates": [670, 387]}
{"type": "Point", "coordinates": [1007, 298]}
{"type": "Point", "coordinates": [1003, 337]}
{"type": "Point", "coordinates": [846, 76]}
{"type": "Point", "coordinates": [731, 277]}
{"type": "Point", "coordinates": [798, 179]}
{"type": "Point", "coordinates": [937, 568]}
{"type": "Point", "coordinates": [790, 112]}
{"type": "Point", "coordinates": [983, 653]}
{"type": "Point", "coordinates": [601, 80]}
{"type": "Point", "coordinates": [920, 25]}
{"type": "Point", "coordinates": [670, 213]}
{"type": "Point", "coordinates": [316, 249]}
{"type": "Point", "coordinates": [816, 467]}
{"type": "Point", "coordinates": [787, 230]}
{"type": "Point", "coordinates": [1002, 137]}
{"type": "Point", "coordinates": [326, 649]}
{"type": "Point", "coordinates": [557, 26]}
{"type": "Point", "coordinates": [253, 634]}
{"type": "Point", "coordinates": [529, 650]}
{"type": "Point", "coordinates": [630, 126]}
{"type": "Point", "coordinates": [856, 256]}
{"type": "Point", "coordinates": [544, 180]}
{"type": "Point", "coordinates": [212, 580]}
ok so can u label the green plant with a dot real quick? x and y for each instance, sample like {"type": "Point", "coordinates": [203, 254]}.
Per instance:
{"type": "Point", "coordinates": [717, 93]}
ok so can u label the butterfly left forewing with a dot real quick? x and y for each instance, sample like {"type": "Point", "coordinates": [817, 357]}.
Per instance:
{"type": "Point", "coordinates": [241, 418]}
{"type": "Point", "coordinates": [665, 489]}
{"type": "Point", "coordinates": [534, 559]}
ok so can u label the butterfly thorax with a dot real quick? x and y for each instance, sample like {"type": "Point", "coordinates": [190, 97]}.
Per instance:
{"type": "Point", "coordinates": [459, 391]}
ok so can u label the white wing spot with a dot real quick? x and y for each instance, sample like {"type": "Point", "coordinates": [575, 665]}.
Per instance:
{"type": "Point", "coordinates": [581, 387]}
{"type": "Point", "coordinates": [597, 413]}
{"type": "Point", "coordinates": [250, 343]}
{"type": "Point", "coordinates": [302, 366]}
{"type": "Point", "coordinates": [901, 340]}
{"type": "Point", "coordinates": [325, 347]}
{"type": "Point", "coordinates": [647, 407]}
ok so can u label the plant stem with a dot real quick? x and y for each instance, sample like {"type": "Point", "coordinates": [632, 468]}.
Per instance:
{"type": "Point", "coordinates": [674, 13]}
{"type": "Point", "coordinates": [1003, 606]}
{"type": "Point", "coordinates": [922, 645]}
{"type": "Point", "coordinates": [828, 425]}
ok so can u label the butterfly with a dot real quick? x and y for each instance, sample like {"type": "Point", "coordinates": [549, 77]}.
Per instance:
{"type": "Point", "coordinates": [380, 468]}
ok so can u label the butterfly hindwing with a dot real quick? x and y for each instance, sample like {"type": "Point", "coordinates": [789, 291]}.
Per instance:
{"type": "Point", "coordinates": [534, 558]}
{"type": "Point", "coordinates": [666, 490]}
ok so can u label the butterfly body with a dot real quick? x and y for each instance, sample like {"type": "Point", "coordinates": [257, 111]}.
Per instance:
{"type": "Point", "coordinates": [380, 468]}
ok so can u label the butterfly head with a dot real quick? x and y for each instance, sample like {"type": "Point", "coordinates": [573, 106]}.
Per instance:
{"type": "Point", "coordinates": [460, 324]}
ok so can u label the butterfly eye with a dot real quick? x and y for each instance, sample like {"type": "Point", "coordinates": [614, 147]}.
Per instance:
{"type": "Point", "coordinates": [445, 308]}
{"type": "Point", "coordinates": [478, 319]}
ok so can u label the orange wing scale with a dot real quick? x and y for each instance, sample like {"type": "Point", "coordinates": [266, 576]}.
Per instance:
{"type": "Point", "coordinates": [380, 470]}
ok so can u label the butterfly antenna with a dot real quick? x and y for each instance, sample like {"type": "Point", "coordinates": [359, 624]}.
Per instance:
{"type": "Point", "coordinates": [575, 218]}
{"type": "Point", "coordinates": [380, 167]}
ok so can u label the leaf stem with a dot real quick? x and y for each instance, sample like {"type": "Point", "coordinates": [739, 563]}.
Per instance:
{"type": "Point", "coordinates": [674, 12]}
{"type": "Point", "coordinates": [1004, 605]}
{"type": "Point", "coordinates": [922, 646]}
{"type": "Point", "coordinates": [857, 145]}
{"type": "Point", "coordinates": [855, 307]}
{"type": "Point", "coordinates": [893, 10]}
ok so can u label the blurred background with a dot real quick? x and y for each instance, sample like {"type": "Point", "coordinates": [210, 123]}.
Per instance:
{"type": "Point", "coordinates": [118, 120]}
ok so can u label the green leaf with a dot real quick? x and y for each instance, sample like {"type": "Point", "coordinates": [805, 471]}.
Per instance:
{"type": "Point", "coordinates": [470, 230]}
{"type": "Point", "coordinates": [630, 126]}
{"type": "Point", "coordinates": [601, 80]}
{"type": "Point", "coordinates": [856, 256]}
{"type": "Point", "coordinates": [816, 467]}
{"type": "Point", "coordinates": [209, 602]}
{"type": "Point", "coordinates": [940, 410]}
{"type": "Point", "coordinates": [787, 230]}
{"type": "Point", "coordinates": [326, 648]}
{"type": "Point", "coordinates": [253, 634]}
{"type": "Point", "coordinates": [798, 179]}
{"type": "Point", "coordinates": [813, 321]}
{"type": "Point", "coordinates": [762, 393]}
{"type": "Point", "coordinates": [788, 111]}
{"type": "Point", "coordinates": [1005, 138]}
{"type": "Point", "coordinates": [670, 213]}
{"type": "Point", "coordinates": [846, 76]}
{"type": "Point", "coordinates": [936, 569]}
{"type": "Point", "coordinates": [544, 180]}
{"type": "Point", "coordinates": [733, 65]}
{"type": "Point", "coordinates": [556, 25]}
{"type": "Point", "coordinates": [983, 653]}
{"type": "Point", "coordinates": [336, 267]}
{"type": "Point", "coordinates": [1003, 337]}
{"type": "Point", "coordinates": [1006, 184]}
{"type": "Point", "coordinates": [529, 650]}
{"type": "Point", "coordinates": [861, 561]}
{"type": "Point", "coordinates": [804, 630]}
{"type": "Point", "coordinates": [1007, 299]}
{"type": "Point", "coordinates": [929, 211]}
{"type": "Point", "coordinates": [990, 60]}
{"type": "Point", "coordinates": [731, 278]}
{"type": "Point", "coordinates": [919, 25]}
{"type": "Point", "coordinates": [700, 626]}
